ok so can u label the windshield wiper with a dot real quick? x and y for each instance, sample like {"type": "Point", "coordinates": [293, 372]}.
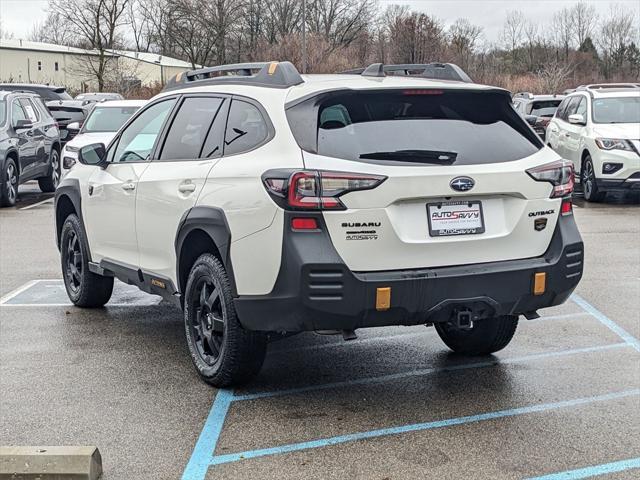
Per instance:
{"type": "Point", "coordinates": [420, 156]}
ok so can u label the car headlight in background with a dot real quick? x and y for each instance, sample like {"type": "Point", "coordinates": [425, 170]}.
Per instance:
{"type": "Point", "coordinates": [614, 144]}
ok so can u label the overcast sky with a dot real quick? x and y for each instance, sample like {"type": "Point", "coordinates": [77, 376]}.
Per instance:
{"type": "Point", "coordinates": [18, 16]}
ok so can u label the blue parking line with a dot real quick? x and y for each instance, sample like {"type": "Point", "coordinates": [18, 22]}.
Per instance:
{"type": "Point", "coordinates": [423, 371]}
{"type": "Point", "coordinates": [606, 321]}
{"type": "Point", "coordinates": [205, 447]}
{"type": "Point", "coordinates": [593, 471]}
{"type": "Point", "coordinates": [325, 442]}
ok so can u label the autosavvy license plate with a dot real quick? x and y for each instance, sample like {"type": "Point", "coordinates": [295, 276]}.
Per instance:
{"type": "Point", "coordinates": [455, 218]}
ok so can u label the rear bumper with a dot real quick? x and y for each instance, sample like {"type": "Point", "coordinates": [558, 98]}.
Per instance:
{"type": "Point", "coordinates": [316, 291]}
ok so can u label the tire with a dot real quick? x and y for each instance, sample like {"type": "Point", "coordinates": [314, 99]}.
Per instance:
{"type": "Point", "coordinates": [85, 288]}
{"type": "Point", "coordinates": [49, 183]}
{"type": "Point", "coordinates": [9, 185]}
{"type": "Point", "coordinates": [223, 353]}
{"type": "Point", "coordinates": [486, 336]}
{"type": "Point", "coordinates": [588, 181]}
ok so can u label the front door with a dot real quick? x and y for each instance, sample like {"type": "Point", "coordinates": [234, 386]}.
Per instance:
{"type": "Point", "coordinates": [110, 204]}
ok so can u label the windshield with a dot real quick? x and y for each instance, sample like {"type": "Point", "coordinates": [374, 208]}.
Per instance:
{"type": "Point", "coordinates": [544, 108]}
{"type": "Point", "coordinates": [107, 119]}
{"type": "Point", "coordinates": [3, 111]}
{"type": "Point", "coordinates": [616, 110]}
{"type": "Point", "coordinates": [433, 127]}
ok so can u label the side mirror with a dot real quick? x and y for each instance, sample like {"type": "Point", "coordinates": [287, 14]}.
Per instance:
{"type": "Point", "coordinates": [576, 119]}
{"type": "Point", "coordinates": [75, 126]}
{"type": "Point", "coordinates": [23, 125]}
{"type": "Point", "coordinates": [93, 154]}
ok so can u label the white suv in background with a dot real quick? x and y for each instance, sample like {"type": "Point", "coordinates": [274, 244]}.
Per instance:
{"type": "Point", "coordinates": [100, 126]}
{"type": "Point", "coordinates": [597, 127]}
{"type": "Point", "coordinates": [267, 203]}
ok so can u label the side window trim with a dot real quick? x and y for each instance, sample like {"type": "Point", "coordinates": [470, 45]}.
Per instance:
{"type": "Point", "coordinates": [271, 132]}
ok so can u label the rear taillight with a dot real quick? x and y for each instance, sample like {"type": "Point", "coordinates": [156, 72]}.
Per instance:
{"type": "Point", "coordinates": [559, 174]}
{"type": "Point", "coordinates": [315, 190]}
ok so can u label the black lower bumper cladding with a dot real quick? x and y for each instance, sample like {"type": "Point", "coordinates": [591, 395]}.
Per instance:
{"type": "Point", "coordinates": [315, 290]}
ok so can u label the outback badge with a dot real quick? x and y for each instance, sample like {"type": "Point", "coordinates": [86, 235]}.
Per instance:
{"type": "Point", "coordinates": [540, 224]}
{"type": "Point", "coordinates": [462, 184]}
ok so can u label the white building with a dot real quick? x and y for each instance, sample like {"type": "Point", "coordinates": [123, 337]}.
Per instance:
{"type": "Point", "coordinates": [22, 61]}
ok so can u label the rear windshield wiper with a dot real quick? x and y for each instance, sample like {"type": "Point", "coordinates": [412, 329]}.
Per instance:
{"type": "Point", "coordinates": [420, 156]}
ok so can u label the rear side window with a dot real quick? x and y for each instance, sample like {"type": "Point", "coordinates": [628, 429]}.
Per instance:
{"type": "Point", "coordinates": [439, 127]}
{"type": "Point", "coordinates": [193, 124]}
{"type": "Point", "coordinates": [246, 128]}
{"type": "Point", "coordinates": [29, 109]}
{"type": "Point", "coordinates": [17, 113]}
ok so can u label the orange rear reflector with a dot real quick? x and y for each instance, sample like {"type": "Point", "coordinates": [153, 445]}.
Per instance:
{"type": "Point", "coordinates": [272, 67]}
{"type": "Point", "coordinates": [383, 298]}
{"type": "Point", "coordinates": [539, 283]}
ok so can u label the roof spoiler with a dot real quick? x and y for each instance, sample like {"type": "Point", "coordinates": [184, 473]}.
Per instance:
{"type": "Point", "coordinates": [263, 74]}
{"type": "Point", "coordinates": [439, 71]}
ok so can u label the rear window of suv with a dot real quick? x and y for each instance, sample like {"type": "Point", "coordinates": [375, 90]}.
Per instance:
{"type": "Point", "coordinates": [440, 127]}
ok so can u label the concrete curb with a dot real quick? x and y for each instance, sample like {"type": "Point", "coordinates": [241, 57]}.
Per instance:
{"type": "Point", "coordinates": [50, 463]}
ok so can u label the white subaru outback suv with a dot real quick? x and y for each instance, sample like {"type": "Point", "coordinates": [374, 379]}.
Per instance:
{"type": "Point", "coordinates": [268, 203]}
{"type": "Point", "coordinates": [597, 128]}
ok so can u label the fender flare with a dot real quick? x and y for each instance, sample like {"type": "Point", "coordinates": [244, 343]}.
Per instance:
{"type": "Point", "coordinates": [69, 188]}
{"type": "Point", "coordinates": [213, 222]}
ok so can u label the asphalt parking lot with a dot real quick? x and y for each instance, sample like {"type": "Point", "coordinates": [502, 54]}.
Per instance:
{"type": "Point", "coordinates": [564, 396]}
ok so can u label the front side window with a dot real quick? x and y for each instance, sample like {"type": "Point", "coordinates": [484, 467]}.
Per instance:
{"type": "Point", "coordinates": [571, 107]}
{"type": "Point", "coordinates": [616, 110]}
{"type": "Point", "coordinates": [107, 119]}
{"type": "Point", "coordinates": [246, 128]}
{"type": "Point", "coordinates": [137, 140]}
{"type": "Point", "coordinates": [413, 126]}
{"type": "Point", "coordinates": [194, 122]}
{"type": "Point", "coordinates": [582, 108]}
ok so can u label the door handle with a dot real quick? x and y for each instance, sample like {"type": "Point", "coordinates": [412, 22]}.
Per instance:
{"type": "Point", "coordinates": [567, 134]}
{"type": "Point", "coordinates": [187, 187]}
{"type": "Point", "coordinates": [128, 186]}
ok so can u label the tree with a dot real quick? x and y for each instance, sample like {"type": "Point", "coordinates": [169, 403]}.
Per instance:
{"type": "Point", "coordinates": [463, 36]}
{"type": "Point", "coordinates": [562, 29]}
{"type": "Point", "coordinates": [617, 32]}
{"type": "Point", "coordinates": [95, 25]}
{"type": "Point", "coordinates": [5, 34]}
{"type": "Point", "coordinates": [52, 30]}
{"type": "Point", "coordinates": [583, 19]}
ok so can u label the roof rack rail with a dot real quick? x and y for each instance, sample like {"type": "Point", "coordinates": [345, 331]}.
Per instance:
{"type": "Point", "coordinates": [440, 71]}
{"type": "Point", "coordinates": [262, 74]}
{"type": "Point", "coordinates": [604, 86]}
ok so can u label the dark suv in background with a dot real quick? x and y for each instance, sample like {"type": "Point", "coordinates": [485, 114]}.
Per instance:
{"type": "Point", "coordinates": [61, 105]}
{"type": "Point", "coordinates": [29, 145]}
{"type": "Point", "coordinates": [537, 110]}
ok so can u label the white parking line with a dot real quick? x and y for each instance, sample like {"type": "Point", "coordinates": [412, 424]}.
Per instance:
{"type": "Point", "coordinates": [46, 200]}
{"type": "Point", "coordinates": [19, 290]}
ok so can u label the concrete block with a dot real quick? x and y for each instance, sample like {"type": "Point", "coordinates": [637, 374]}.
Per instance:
{"type": "Point", "coordinates": [50, 463]}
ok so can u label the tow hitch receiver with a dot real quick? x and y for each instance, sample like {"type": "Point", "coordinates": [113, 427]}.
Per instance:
{"type": "Point", "coordinates": [464, 319]}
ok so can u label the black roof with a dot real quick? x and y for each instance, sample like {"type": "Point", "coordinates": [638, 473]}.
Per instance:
{"type": "Point", "coordinates": [29, 86]}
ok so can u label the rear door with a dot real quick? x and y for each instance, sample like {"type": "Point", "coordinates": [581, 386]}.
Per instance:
{"type": "Point", "coordinates": [26, 145]}
{"type": "Point", "coordinates": [171, 184]}
{"type": "Point", "coordinates": [38, 137]}
{"type": "Point", "coordinates": [456, 192]}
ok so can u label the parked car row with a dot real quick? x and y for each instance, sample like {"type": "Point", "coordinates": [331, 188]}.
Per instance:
{"type": "Point", "coordinates": [596, 127]}
{"type": "Point", "coordinates": [36, 123]}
